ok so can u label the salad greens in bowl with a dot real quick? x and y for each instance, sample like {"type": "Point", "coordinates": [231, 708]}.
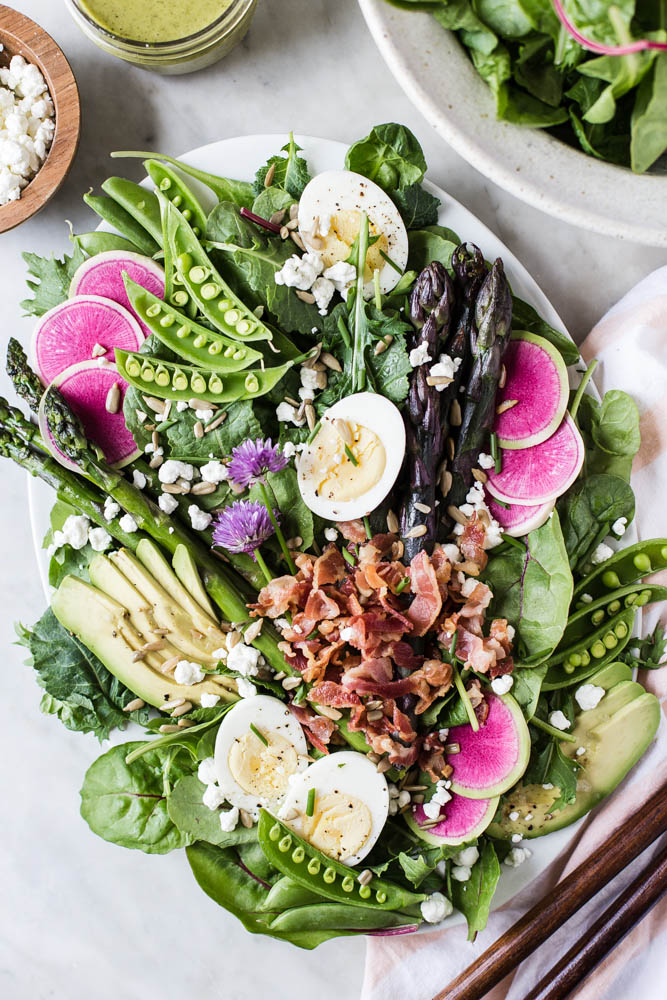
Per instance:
{"type": "Point", "coordinates": [339, 522]}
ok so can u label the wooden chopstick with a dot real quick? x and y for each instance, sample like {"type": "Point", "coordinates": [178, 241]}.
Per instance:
{"type": "Point", "coordinates": [628, 841]}
{"type": "Point", "coordinates": [617, 920]}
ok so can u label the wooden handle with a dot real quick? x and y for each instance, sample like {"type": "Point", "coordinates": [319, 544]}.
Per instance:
{"type": "Point", "coordinates": [616, 921]}
{"type": "Point", "coordinates": [566, 898]}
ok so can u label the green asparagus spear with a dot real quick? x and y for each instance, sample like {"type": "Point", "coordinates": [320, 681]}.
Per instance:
{"type": "Point", "coordinates": [26, 383]}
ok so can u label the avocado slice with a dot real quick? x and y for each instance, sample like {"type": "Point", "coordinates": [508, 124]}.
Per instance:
{"type": "Point", "coordinates": [612, 673]}
{"type": "Point", "coordinates": [156, 564]}
{"type": "Point", "coordinates": [187, 572]}
{"type": "Point", "coordinates": [615, 735]}
{"type": "Point", "coordinates": [103, 625]}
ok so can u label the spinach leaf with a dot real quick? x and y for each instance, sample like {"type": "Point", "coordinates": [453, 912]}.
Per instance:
{"type": "Point", "coordinates": [588, 510]}
{"type": "Point", "coordinates": [549, 764]}
{"type": "Point", "coordinates": [79, 689]}
{"type": "Point", "coordinates": [610, 432]}
{"type": "Point", "coordinates": [648, 135]}
{"type": "Point", "coordinates": [241, 424]}
{"type": "Point", "coordinates": [533, 590]}
{"type": "Point", "coordinates": [196, 821]}
{"type": "Point", "coordinates": [295, 517]}
{"type": "Point", "coordinates": [49, 279]}
{"type": "Point", "coordinates": [126, 804]}
{"type": "Point", "coordinates": [291, 171]}
{"type": "Point", "coordinates": [417, 206]}
{"type": "Point", "coordinates": [525, 317]}
{"type": "Point", "coordinates": [65, 561]}
{"type": "Point", "coordinates": [427, 245]}
{"type": "Point", "coordinates": [527, 686]}
{"type": "Point", "coordinates": [473, 898]}
{"type": "Point", "coordinates": [270, 200]}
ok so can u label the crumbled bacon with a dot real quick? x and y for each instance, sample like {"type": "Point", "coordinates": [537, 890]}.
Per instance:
{"type": "Point", "coordinates": [352, 531]}
{"type": "Point", "coordinates": [318, 728]}
{"type": "Point", "coordinates": [329, 567]}
{"type": "Point", "coordinates": [425, 607]}
{"type": "Point", "coordinates": [333, 695]}
{"type": "Point", "coordinates": [471, 542]}
{"type": "Point", "coordinates": [280, 596]}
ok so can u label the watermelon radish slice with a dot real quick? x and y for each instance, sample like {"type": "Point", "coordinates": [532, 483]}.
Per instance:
{"type": "Point", "coordinates": [492, 759]}
{"type": "Point", "coordinates": [537, 475]}
{"type": "Point", "coordinates": [461, 819]}
{"type": "Point", "coordinates": [85, 387]}
{"type": "Point", "coordinates": [103, 275]}
{"type": "Point", "coordinates": [516, 520]}
{"type": "Point", "coordinates": [67, 334]}
{"type": "Point", "coordinates": [537, 378]}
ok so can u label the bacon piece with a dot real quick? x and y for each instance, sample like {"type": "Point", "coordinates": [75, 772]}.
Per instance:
{"type": "Point", "coordinates": [279, 596]}
{"type": "Point", "coordinates": [305, 563]}
{"type": "Point", "coordinates": [427, 603]}
{"type": "Point", "coordinates": [501, 667]}
{"type": "Point", "coordinates": [333, 695]}
{"type": "Point", "coordinates": [329, 567]}
{"type": "Point", "coordinates": [435, 679]}
{"type": "Point", "coordinates": [432, 758]}
{"type": "Point", "coordinates": [405, 657]}
{"type": "Point", "coordinates": [477, 600]}
{"type": "Point", "coordinates": [353, 531]}
{"type": "Point", "coordinates": [471, 542]}
{"type": "Point", "coordinates": [377, 670]}
{"type": "Point", "coordinates": [320, 606]}
{"type": "Point", "coordinates": [442, 567]}
{"type": "Point", "coordinates": [317, 657]}
{"type": "Point", "coordinates": [318, 728]}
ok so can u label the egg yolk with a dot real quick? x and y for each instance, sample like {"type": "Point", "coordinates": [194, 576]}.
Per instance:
{"type": "Point", "coordinates": [341, 477]}
{"type": "Point", "coordinates": [340, 825]}
{"type": "Point", "coordinates": [343, 231]}
{"type": "Point", "coordinates": [262, 771]}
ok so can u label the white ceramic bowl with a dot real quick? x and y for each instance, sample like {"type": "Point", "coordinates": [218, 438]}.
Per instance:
{"type": "Point", "coordinates": [437, 75]}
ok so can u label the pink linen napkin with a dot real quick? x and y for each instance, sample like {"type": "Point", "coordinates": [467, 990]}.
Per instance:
{"type": "Point", "coordinates": [631, 345]}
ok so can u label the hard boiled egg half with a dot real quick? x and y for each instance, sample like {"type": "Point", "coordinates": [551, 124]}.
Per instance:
{"type": "Point", "coordinates": [330, 211]}
{"type": "Point", "coordinates": [259, 747]}
{"type": "Point", "coordinates": [353, 461]}
{"type": "Point", "coordinates": [349, 805]}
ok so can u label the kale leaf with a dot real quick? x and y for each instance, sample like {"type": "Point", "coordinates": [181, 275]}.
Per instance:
{"type": "Point", "coordinates": [49, 279]}
{"type": "Point", "coordinates": [291, 172]}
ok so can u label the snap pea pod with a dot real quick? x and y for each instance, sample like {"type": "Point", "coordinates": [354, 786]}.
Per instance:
{"type": "Point", "coordinates": [174, 289]}
{"type": "Point", "coordinates": [178, 193]}
{"type": "Point", "coordinates": [592, 615]}
{"type": "Point", "coordinates": [286, 894]}
{"type": "Point", "coordinates": [589, 654]}
{"type": "Point", "coordinates": [304, 864]}
{"type": "Point", "coordinates": [224, 188]}
{"type": "Point", "coordinates": [138, 202]}
{"type": "Point", "coordinates": [110, 211]}
{"type": "Point", "coordinates": [203, 347]}
{"type": "Point", "coordinates": [624, 567]}
{"type": "Point", "coordinates": [101, 242]}
{"type": "Point", "coordinates": [339, 916]}
{"type": "Point", "coordinates": [168, 380]}
{"type": "Point", "coordinates": [213, 296]}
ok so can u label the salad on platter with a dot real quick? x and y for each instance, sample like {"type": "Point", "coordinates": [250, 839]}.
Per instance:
{"type": "Point", "coordinates": [339, 524]}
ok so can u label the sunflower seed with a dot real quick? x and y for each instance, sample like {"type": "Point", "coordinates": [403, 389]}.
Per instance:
{"type": "Point", "coordinates": [172, 703]}
{"type": "Point", "coordinates": [415, 788]}
{"type": "Point", "coordinates": [375, 715]}
{"type": "Point", "coordinates": [290, 683]}
{"type": "Point", "coordinates": [113, 399]}
{"type": "Point", "coordinates": [201, 404]}
{"type": "Point", "coordinates": [279, 676]}
{"type": "Point", "coordinates": [392, 522]}
{"type": "Point", "coordinates": [152, 647]}
{"type": "Point", "coordinates": [299, 242]}
{"type": "Point", "coordinates": [198, 429]}
{"type": "Point", "coordinates": [438, 380]}
{"type": "Point", "coordinates": [246, 819]}
{"type": "Point", "coordinates": [156, 461]}
{"type": "Point", "coordinates": [294, 210]}
{"type": "Point", "coordinates": [292, 225]}
{"type": "Point", "coordinates": [134, 705]}
{"type": "Point", "coordinates": [479, 475]}
{"type": "Point", "coordinates": [182, 710]}
{"type": "Point", "coordinates": [284, 232]}
{"type": "Point", "coordinates": [484, 518]}
{"type": "Point", "coordinates": [98, 351]}
{"type": "Point", "coordinates": [161, 632]}
{"type": "Point", "coordinates": [365, 877]}
{"type": "Point", "coordinates": [456, 515]}
{"type": "Point", "coordinates": [502, 381]}
{"type": "Point", "coordinates": [507, 404]}
{"type": "Point", "coordinates": [138, 655]}
{"type": "Point", "coordinates": [376, 703]}
{"type": "Point", "coordinates": [445, 482]}
{"type": "Point", "coordinates": [233, 639]}
{"type": "Point", "coordinates": [216, 423]}
{"type": "Point", "coordinates": [156, 405]}
{"type": "Point", "coordinates": [253, 630]}
{"type": "Point", "coordinates": [300, 412]}
{"type": "Point", "coordinates": [166, 729]}
{"type": "Point", "coordinates": [141, 416]}
{"type": "Point", "coordinates": [184, 723]}
{"type": "Point", "coordinates": [342, 428]}
{"type": "Point", "coordinates": [331, 362]}
{"type": "Point", "coordinates": [270, 174]}
{"type": "Point", "coordinates": [380, 348]}
{"type": "Point", "coordinates": [175, 488]}
{"type": "Point", "coordinates": [330, 713]}
{"type": "Point", "coordinates": [277, 217]}
{"type": "Point", "coordinates": [455, 416]}
{"type": "Point", "coordinates": [167, 409]}
{"type": "Point", "coordinates": [155, 437]}
{"type": "Point", "coordinates": [416, 532]}
{"type": "Point", "coordinates": [383, 765]}
{"type": "Point", "coordinates": [423, 508]}
{"type": "Point", "coordinates": [169, 665]}
{"type": "Point", "coordinates": [451, 448]}
{"type": "Point", "coordinates": [397, 549]}
{"type": "Point", "coordinates": [292, 401]}
{"type": "Point", "coordinates": [305, 296]}
{"type": "Point", "coordinates": [294, 543]}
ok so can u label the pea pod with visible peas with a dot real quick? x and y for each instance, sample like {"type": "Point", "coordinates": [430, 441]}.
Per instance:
{"type": "Point", "coordinates": [138, 202]}
{"type": "Point", "coordinates": [101, 242]}
{"type": "Point", "coordinates": [578, 661]}
{"type": "Point", "coordinates": [203, 347]}
{"type": "Point", "coordinates": [178, 193]}
{"type": "Point", "coordinates": [286, 894]}
{"type": "Point", "coordinates": [593, 614]}
{"type": "Point", "coordinates": [168, 380]}
{"type": "Point", "coordinates": [624, 568]}
{"type": "Point", "coordinates": [213, 296]}
{"type": "Point", "coordinates": [339, 916]}
{"type": "Point", "coordinates": [110, 211]}
{"type": "Point", "coordinates": [307, 866]}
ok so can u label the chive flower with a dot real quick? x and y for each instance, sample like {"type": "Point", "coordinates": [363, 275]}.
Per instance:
{"type": "Point", "coordinates": [242, 527]}
{"type": "Point", "coordinates": [251, 461]}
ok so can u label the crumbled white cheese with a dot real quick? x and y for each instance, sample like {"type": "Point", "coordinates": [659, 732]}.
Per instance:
{"type": "Point", "coordinates": [447, 367]}
{"type": "Point", "coordinates": [547, 786]}
{"type": "Point", "coordinates": [559, 721]}
{"type": "Point", "coordinates": [461, 873]}
{"type": "Point", "coordinates": [323, 290]}
{"type": "Point", "coordinates": [517, 856]}
{"type": "Point", "coordinates": [452, 552]}
{"type": "Point", "coordinates": [245, 688]}
{"type": "Point", "coordinates": [580, 751]}
{"type": "Point", "coordinates": [619, 526]}
{"type": "Point", "coordinates": [513, 816]}
{"type": "Point", "coordinates": [75, 531]}
{"type": "Point", "coordinates": [431, 809]}
{"type": "Point", "coordinates": [310, 379]}
{"type": "Point", "coordinates": [111, 508]}
{"type": "Point", "coordinates": [213, 797]}
{"type": "Point", "coordinates": [436, 908]}
{"type": "Point", "coordinates": [128, 524]}
{"type": "Point", "coordinates": [206, 772]}
{"type": "Point", "coordinates": [485, 461]}
{"type": "Point", "coordinates": [528, 817]}
{"type": "Point", "coordinates": [167, 503]}
{"type": "Point", "coordinates": [476, 502]}
{"type": "Point", "coordinates": [419, 355]}
{"type": "Point", "coordinates": [511, 631]}
{"type": "Point", "coordinates": [187, 672]}
{"type": "Point", "coordinates": [229, 819]}
{"type": "Point", "coordinates": [99, 539]}
{"type": "Point", "coordinates": [182, 405]}
{"type": "Point", "coordinates": [138, 479]}
{"type": "Point", "coordinates": [214, 472]}
{"type": "Point", "coordinates": [204, 415]}
{"type": "Point", "coordinates": [443, 735]}
{"type": "Point", "coordinates": [516, 838]}
{"type": "Point", "coordinates": [286, 413]}
{"type": "Point", "coordinates": [347, 633]}
{"type": "Point", "coordinates": [468, 586]}
{"type": "Point", "coordinates": [468, 856]}
{"type": "Point", "coordinates": [589, 696]}
{"type": "Point", "coordinates": [244, 659]}
{"type": "Point", "coordinates": [342, 275]}
{"type": "Point", "coordinates": [300, 272]}
{"type": "Point", "coordinates": [601, 553]}
{"type": "Point", "coordinates": [27, 126]}
{"type": "Point", "coordinates": [199, 519]}
{"type": "Point", "coordinates": [306, 395]}
{"type": "Point", "coordinates": [289, 449]}
{"type": "Point", "coordinates": [172, 470]}
{"type": "Point", "coordinates": [209, 700]}
{"type": "Point", "coordinates": [403, 798]}
{"type": "Point", "coordinates": [393, 791]}
{"type": "Point", "coordinates": [502, 684]}
{"type": "Point", "coordinates": [330, 534]}
{"type": "Point", "coordinates": [281, 623]}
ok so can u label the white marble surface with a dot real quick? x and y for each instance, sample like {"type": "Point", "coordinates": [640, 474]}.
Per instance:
{"type": "Point", "coordinates": [80, 918]}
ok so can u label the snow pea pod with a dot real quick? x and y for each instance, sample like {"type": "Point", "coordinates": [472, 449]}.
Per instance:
{"type": "Point", "coordinates": [307, 866]}
{"type": "Point", "coordinates": [101, 242]}
{"type": "Point", "coordinates": [624, 567]}
{"type": "Point", "coordinates": [168, 380]}
{"type": "Point", "coordinates": [110, 211]}
{"type": "Point", "coordinates": [138, 202]}
{"type": "Point", "coordinates": [286, 894]}
{"type": "Point", "coordinates": [203, 347]}
{"type": "Point", "coordinates": [174, 289]}
{"type": "Point", "coordinates": [178, 193]}
{"type": "Point", "coordinates": [213, 296]}
{"type": "Point", "coordinates": [584, 657]}
{"type": "Point", "coordinates": [593, 614]}
{"type": "Point", "coordinates": [338, 916]}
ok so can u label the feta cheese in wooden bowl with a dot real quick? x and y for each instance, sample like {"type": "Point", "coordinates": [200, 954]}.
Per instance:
{"type": "Point", "coordinates": [40, 118]}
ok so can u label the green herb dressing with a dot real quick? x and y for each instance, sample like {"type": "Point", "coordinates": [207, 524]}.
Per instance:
{"type": "Point", "coordinates": [154, 20]}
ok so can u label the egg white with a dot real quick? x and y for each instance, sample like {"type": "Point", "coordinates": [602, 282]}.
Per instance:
{"type": "Point", "coordinates": [238, 751]}
{"type": "Point", "coordinates": [342, 781]}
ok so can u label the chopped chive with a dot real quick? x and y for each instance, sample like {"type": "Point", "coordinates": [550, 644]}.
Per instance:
{"type": "Point", "coordinates": [557, 733]}
{"type": "Point", "coordinates": [501, 503]}
{"type": "Point", "coordinates": [260, 736]}
{"type": "Point", "coordinates": [367, 526]}
{"type": "Point", "coordinates": [348, 557]}
{"type": "Point", "coordinates": [350, 455]}
{"type": "Point", "coordinates": [310, 804]}
{"type": "Point", "coordinates": [402, 584]}
{"type": "Point", "coordinates": [313, 433]}
{"type": "Point", "coordinates": [582, 387]}
{"type": "Point", "coordinates": [392, 263]}
{"type": "Point", "coordinates": [376, 289]}
{"type": "Point", "coordinates": [455, 639]}
{"type": "Point", "coordinates": [495, 453]}
{"type": "Point", "coordinates": [165, 425]}
{"type": "Point", "coordinates": [512, 541]}
{"type": "Point", "coordinates": [465, 698]}
{"type": "Point", "coordinates": [344, 332]}
{"type": "Point", "coordinates": [452, 748]}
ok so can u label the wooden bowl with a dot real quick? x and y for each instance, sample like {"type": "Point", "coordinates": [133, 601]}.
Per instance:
{"type": "Point", "coordinates": [21, 36]}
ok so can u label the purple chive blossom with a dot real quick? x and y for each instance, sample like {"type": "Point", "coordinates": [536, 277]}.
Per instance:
{"type": "Point", "coordinates": [251, 461]}
{"type": "Point", "coordinates": [242, 527]}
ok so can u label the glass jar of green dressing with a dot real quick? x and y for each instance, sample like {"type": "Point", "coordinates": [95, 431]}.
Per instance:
{"type": "Point", "coordinates": [166, 36]}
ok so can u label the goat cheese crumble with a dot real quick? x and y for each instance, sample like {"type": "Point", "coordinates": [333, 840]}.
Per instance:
{"type": "Point", "coordinates": [209, 700]}
{"type": "Point", "coordinates": [187, 672]}
{"type": "Point", "coordinates": [243, 659]}
{"type": "Point", "coordinates": [445, 366]}
{"type": "Point", "coordinates": [517, 856]}
{"type": "Point", "coordinates": [601, 553]}
{"type": "Point", "coordinates": [172, 470]}
{"type": "Point", "coordinates": [589, 696]}
{"type": "Point", "coordinates": [229, 819]}
{"type": "Point", "coordinates": [436, 908]}
{"type": "Point", "coordinates": [27, 126]}
{"type": "Point", "coordinates": [619, 526]}
{"type": "Point", "coordinates": [419, 355]}
{"type": "Point", "coordinates": [128, 524]}
{"type": "Point", "coordinates": [199, 519]}
{"type": "Point", "coordinates": [559, 721]}
{"type": "Point", "coordinates": [501, 685]}
{"type": "Point", "coordinates": [167, 503]}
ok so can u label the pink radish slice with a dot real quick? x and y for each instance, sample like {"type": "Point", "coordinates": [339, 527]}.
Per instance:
{"type": "Point", "coordinates": [532, 476]}
{"type": "Point", "coordinates": [518, 520]}
{"type": "Point", "coordinates": [537, 381]}
{"type": "Point", "coordinates": [86, 387]}
{"type": "Point", "coordinates": [67, 334]}
{"type": "Point", "coordinates": [462, 819]}
{"type": "Point", "coordinates": [493, 758]}
{"type": "Point", "coordinates": [103, 275]}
